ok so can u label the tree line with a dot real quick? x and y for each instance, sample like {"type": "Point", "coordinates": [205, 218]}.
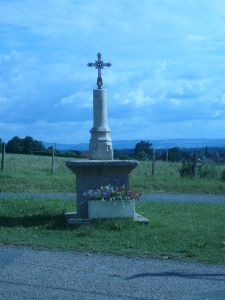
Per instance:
{"type": "Point", "coordinates": [144, 151]}
{"type": "Point", "coordinates": [24, 146]}
{"type": "Point", "coordinates": [30, 146]}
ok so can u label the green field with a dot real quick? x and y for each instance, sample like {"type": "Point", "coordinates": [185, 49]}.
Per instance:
{"type": "Point", "coordinates": [176, 230]}
{"type": "Point", "coordinates": [30, 173]}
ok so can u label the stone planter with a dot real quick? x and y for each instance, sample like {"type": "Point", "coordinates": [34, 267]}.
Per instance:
{"type": "Point", "coordinates": [115, 209]}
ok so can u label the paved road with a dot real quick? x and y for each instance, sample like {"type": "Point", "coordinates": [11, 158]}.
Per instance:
{"type": "Point", "coordinates": [26, 273]}
{"type": "Point", "coordinates": [146, 197]}
{"type": "Point", "coordinates": [184, 198]}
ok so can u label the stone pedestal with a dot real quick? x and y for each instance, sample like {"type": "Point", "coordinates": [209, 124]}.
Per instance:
{"type": "Point", "coordinates": [95, 173]}
{"type": "Point", "coordinates": [100, 147]}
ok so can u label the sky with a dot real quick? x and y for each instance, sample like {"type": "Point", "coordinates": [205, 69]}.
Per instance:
{"type": "Point", "coordinates": [167, 78]}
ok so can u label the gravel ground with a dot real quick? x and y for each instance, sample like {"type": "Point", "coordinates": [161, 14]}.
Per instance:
{"type": "Point", "coordinates": [146, 197]}
{"type": "Point", "coordinates": [26, 273]}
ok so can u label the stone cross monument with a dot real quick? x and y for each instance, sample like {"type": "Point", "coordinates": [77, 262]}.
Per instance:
{"type": "Point", "coordinates": [100, 147]}
{"type": "Point", "coordinates": [101, 169]}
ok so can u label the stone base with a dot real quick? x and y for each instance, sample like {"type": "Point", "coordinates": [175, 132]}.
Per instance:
{"type": "Point", "coordinates": [140, 219]}
{"type": "Point", "coordinates": [92, 174]}
{"type": "Point", "coordinates": [72, 219]}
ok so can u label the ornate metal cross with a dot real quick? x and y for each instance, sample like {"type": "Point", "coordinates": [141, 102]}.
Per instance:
{"type": "Point", "coordinates": [99, 65]}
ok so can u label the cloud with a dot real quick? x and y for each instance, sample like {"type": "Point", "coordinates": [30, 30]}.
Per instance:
{"type": "Point", "coordinates": [166, 65]}
{"type": "Point", "coordinates": [136, 98]}
{"type": "Point", "coordinates": [175, 102]}
{"type": "Point", "coordinates": [78, 99]}
{"type": "Point", "coordinates": [197, 38]}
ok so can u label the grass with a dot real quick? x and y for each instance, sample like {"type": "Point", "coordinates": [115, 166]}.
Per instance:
{"type": "Point", "coordinates": [176, 230]}
{"type": "Point", "coordinates": [167, 179]}
{"type": "Point", "coordinates": [29, 173]}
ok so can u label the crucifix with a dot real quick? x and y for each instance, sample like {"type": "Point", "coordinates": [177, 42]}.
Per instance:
{"type": "Point", "coordinates": [99, 65]}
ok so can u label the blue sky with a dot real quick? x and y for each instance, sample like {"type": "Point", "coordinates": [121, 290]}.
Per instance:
{"type": "Point", "coordinates": [167, 78]}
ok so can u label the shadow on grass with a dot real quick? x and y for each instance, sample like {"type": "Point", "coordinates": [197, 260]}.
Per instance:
{"type": "Point", "coordinates": [47, 221]}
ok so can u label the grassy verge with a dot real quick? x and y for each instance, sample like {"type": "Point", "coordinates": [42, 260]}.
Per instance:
{"type": "Point", "coordinates": [176, 230]}
{"type": "Point", "coordinates": [28, 173]}
{"type": "Point", "coordinates": [31, 173]}
{"type": "Point", "coordinates": [168, 180]}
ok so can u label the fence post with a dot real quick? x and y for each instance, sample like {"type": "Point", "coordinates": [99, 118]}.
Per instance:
{"type": "Point", "coordinates": [167, 154]}
{"type": "Point", "coordinates": [53, 160]}
{"type": "Point", "coordinates": [195, 163]}
{"type": "Point", "coordinates": [3, 156]}
{"type": "Point", "coordinates": [153, 161]}
{"type": "Point", "coordinates": [55, 150]}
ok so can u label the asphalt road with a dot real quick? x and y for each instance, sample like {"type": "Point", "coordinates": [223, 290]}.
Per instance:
{"type": "Point", "coordinates": [146, 197]}
{"type": "Point", "coordinates": [26, 273]}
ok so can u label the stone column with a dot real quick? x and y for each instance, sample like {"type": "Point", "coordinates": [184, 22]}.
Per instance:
{"type": "Point", "coordinates": [100, 147]}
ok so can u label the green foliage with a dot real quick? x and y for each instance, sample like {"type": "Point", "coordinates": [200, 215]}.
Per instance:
{"type": "Point", "coordinates": [26, 146]}
{"type": "Point", "coordinates": [142, 150]}
{"type": "Point", "coordinates": [174, 154]}
{"type": "Point", "coordinates": [223, 176]}
{"type": "Point", "coordinates": [142, 155]}
{"type": "Point", "coordinates": [187, 169]}
{"type": "Point", "coordinates": [206, 151]}
{"type": "Point", "coordinates": [121, 155]}
{"type": "Point", "coordinates": [208, 171]}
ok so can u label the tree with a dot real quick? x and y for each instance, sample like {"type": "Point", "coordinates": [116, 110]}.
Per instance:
{"type": "Point", "coordinates": [27, 145]}
{"type": "Point", "coordinates": [206, 151]}
{"type": "Point", "coordinates": [141, 155]}
{"type": "Point", "coordinates": [174, 154]}
{"type": "Point", "coordinates": [38, 146]}
{"type": "Point", "coordinates": [15, 145]}
{"type": "Point", "coordinates": [142, 150]}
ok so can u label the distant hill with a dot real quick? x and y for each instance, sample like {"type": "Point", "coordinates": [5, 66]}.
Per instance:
{"type": "Point", "coordinates": [157, 144]}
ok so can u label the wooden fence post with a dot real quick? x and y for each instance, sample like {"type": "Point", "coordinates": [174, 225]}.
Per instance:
{"type": "Point", "coordinates": [53, 160]}
{"type": "Point", "coordinates": [167, 154]}
{"type": "Point", "coordinates": [153, 161]}
{"type": "Point", "coordinates": [195, 163]}
{"type": "Point", "coordinates": [3, 156]}
{"type": "Point", "coordinates": [55, 150]}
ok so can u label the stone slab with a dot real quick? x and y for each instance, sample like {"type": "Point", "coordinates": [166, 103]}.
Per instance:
{"type": "Point", "coordinates": [78, 221]}
{"type": "Point", "coordinates": [92, 174]}
{"type": "Point", "coordinates": [72, 219]}
{"type": "Point", "coordinates": [140, 219]}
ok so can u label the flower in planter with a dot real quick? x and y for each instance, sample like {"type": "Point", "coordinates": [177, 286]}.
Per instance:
{"type": "Point", "coordinates": [112, 193]}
